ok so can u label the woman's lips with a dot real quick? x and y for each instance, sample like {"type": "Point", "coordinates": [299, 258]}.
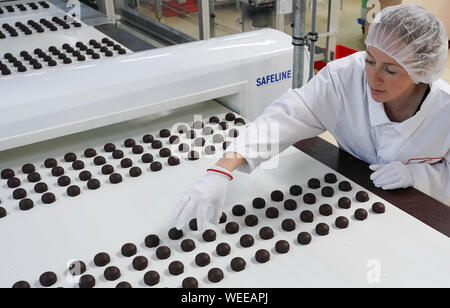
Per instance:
{"type": "Point", "coordinates": [377, 92]}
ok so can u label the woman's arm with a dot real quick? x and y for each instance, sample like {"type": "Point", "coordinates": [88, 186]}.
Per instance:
{"type": "Point", "coordinates": [230, 161]}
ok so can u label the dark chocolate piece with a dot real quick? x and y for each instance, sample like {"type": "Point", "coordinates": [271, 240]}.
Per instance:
{"type": "Point", "coordinates": [288, 225]}
{"type": "Point", "coordinates": [247, 241]}
{"type": "Point", "coordinates": [193, 155]}
{"type": "Point", "coordinates": [93, 184]}
{"type": "Point", "coordinates": [85, 176]}
{"type": "Point", "coordinates": [102, 259]}
{"type": "Point", "coordinates": [157, 144]}
{"type": "Point", "coordinates": [109, 147]}
{"type": "Point", "coordinates": [341, 222]}
{"type": "Point", "coordinates": [309, 198]}
{"type": "Point", "coordinates": [128, 250]}
{"type": "Point", "coordinates": [70, 157]}
{"type": "Point", "coordinates": [176, 268]}
{"type": "Point", "coordinates": [262, 256]}
{"type": "Point", "coordinates": [187, 245]}
{"type": "Point", "coordinates": [202, 259]}
{"type": "Point", "coordinates": [304, 238]}
{"type": "Point", "coordinates": [325, 210]}
{"type": "Point", "coordinates": [129, 143]}
{"type": "Point", "coordinates": [378, 208]}
{"type": "Point", "coordinates": [190, 283]}
{"type": "Point", "coordinates": [73, 191]}
{"type": "Point", "coordinates": [152, 241]}
{"type": "Point", "coordinates": [140, 263]}
{"type": "Point", "coordinates": [126, 163]}
{"type": "Point", "coordinates": [215, 275]}
{"type": "Point", "coordinates": [345, 186]}
{"type": "Point", "coordinates": [2, 212]}
{"type": "Point", "coordinates": [175, 234]}
{"type": "Point", "coordinates": [19, 193]}
{"type": "Point", "coordinates": [209, 235]}
{"type": "Point", "coordinates": [50, 163]}
{"type": "Point", "coordinates": [78, 165]}
{"type": "Point", "coordinates": [148, 138]}
{"type": "Point", "coordinates": [282, 246]}
{"type": "Point", "coordinates": [223, 249]}
{"type": "Point", "coordinates": [266, 233]}
{"type": "Point", "coordinates": [87, 282]}
{"type": "Point", "coordinates": [26, 204]}
{"type": "Point", "coordinates": [295, 190]}
{"type": "Point", "coordinates": [361, 214]}
{"type": "Point", "coordinates": [230, 116]}
{"type": "Point", "coordinates": [89, 153]}
{"type": "Point", "coordinates": [28, 168]}
{"type": "Point", "coordinates": [277, 196]}
{"type": "Point", "coordinates": [330, 178]}
{"type": "Point", "coordinates": [251, 220]}
{"type": "Point", "coordinates": [214, 119]}
{"type": "Point", "coordinates": [112, 273]}
{"type": "Point", "coordinates": [48, 279]}
{"type": "Point", "coordinates": [328, 191]}
{"type": "Point", "coordinates": [155, 166]}
{"type": "Point", "coordinates": [151, 278]}
{"type": "Point", "coordinates": [40, 188]}
{"type": "Point", "coordinates": [259, 203]}
{"type": "Point", "coordinates": [64, 181]}
{"type": "Point", "coordinates": [322, 229]}
{"type": "Point", "coordinates": [165, 152]}
{"type": "Point", "coordinates": [115, 178]}
{"type": "Point", "coordinates": [272, 212]}
{"type": "Point", "coordinates": [193, 224]}
{"type": "Point", "coordinates": [344, 203]}
{"type": "Point", "coordinates": [7, 174]}
{"type": "Point", "coordinates": [290, 205]}
{"type": "Point", "coordinates": [99, 161]}
{"type": "Point", "coordinates": [117, 154]}
{"type": "Point", "coordinates": [107, 169]}
{"type": "Point", "coordinates": [314, 183]}
{"type": "Point", "coordinates": [57, 171]}
{"type": "Point", "coordinates": [238, 264]}
{"type": "Point", "coordinates": [307, 216]}
{"type": "Point", "coordinates": [124, 285]}
{"type": "Point", "coordinates": [147, 158]}
{"type": "Point", "coordinates": [135, 172]}
{"type": "Point", "coordinates": [223, 218]}
{"type": "Point", "coordinates": [21, 285]}
{"type": "Point", "coordinates": [239, 122]}
{"type": "Point", "coordinates": [163, 252]}
{"type": "Point", "coordinates": [362, 196]}
{"type": "Point", "coordinates": [48, 198]}
{"type": "Point", "coordinates": [238, 210]}
{"type": "Point", "coordinates": [232, 228]}
{"type": "Point", "coordinates": [13, 182]}
{"type": "Point", "coordinates": [164, 133]}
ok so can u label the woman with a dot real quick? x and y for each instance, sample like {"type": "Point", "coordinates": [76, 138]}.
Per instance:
{"type": "Point", "coordinates": [385, 106]}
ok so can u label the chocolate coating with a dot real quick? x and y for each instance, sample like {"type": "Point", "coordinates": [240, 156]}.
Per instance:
{"type": "Point", "coordinates": [230, 116]}
{"type": "Point", "coordinates": [193, 224]}
{"type": "Point", "coordinates": [199, 142]}
{"type": "Point", "coordinates": [163, 252]}
{"type": "Point", "coordinates": [175, 234]}
{"type": "Point", "coordinates": [214, 119]}
{"type": "Point", "coordinates": [328, 191]}
{"type": "Point", "coordinates": [272, 212]}
{"type": "Point", "coordinates": [378, 208]}
{"type": "Point", "coordinates": [165, 152]}
{"type": "Point", "coordinates": [13, 182]}
{"type": "Point", "coordinates": [140, 263]}
{"type": "Point", "coordinates": [19, 193]}
{"type": "Point", "coordinates": [7, 173]}
{"type": "Point", "coordinates": [247, 241]}
{"type": "Point", "coordinates": [21, 285]}
{"type": "Point", "coordinates": [307, 216]}
{"type": "Point", "coordinates": [135, 172]}
{"type": "Point", "coordinates": [361, 214]}
{"type": "Point", "coordinates": [124, 285]}
{"type": "Point", "coordinates": [266, 233]}
{"type": "Point", "coordinates": [202, 259]}
{"type": "Point", "coordinates": [112, 273]}
{"type": "Point", "coordinates": [50, 163]}
{"type": "Point", "coordinates": [78, 165]}
{"type": "Point", "coordinates": [48, 198]}
{"type": "Point", "coordinates": [209, 235]}
{"type": "Point", "coordinates": [238, 210]}
{"type": "Point", "coordinates": [87, 282]}
{"type": "Point", "coordinates": [126, 163]}
{"type": "Point", "coordinates": [174, 139]}
{"type": "Point", "coordinates": [314, 183]}
{"type": "Point", "coordinates": [93, 184]}
{"type": "Point", "coordinates": [129, 143]}
{"type": "Point", "coordinates": [176, 268]}
{"type": "Point", "coordinates": [282, 246]}
{"type": "Point", "coordinates": [295, 190]}
{"type": "Point", "coordinates": [89, 153]}
{"type": "Point", "coordinates": [117, 154]}
{"type": "Point", "coordinates": [164, 133]}
{"type": "Point", "coordinates": [344, 203]}
{"type": "Point", "coordinates": [73, 191]}
{"type": "Point", "coordinates": [57, 171]}
{"type": "Point", "coordinates": [238, 264]}
{"type": "Point", "coordinates": [345, 186]}
{"type": "Point", "coordinates": [26, 204]}
{"type": "Point", "coordinates": [190, 283]}
{"type": "Point", "coordinates": [128, 250]}
{"type": "Point", "coordinates": [187, 245]}
{"type": "Point", "coordinates": [40, 188]}
{"type": "Point", "coordinates": [233, 133]}
{"type": "Point", "coordinates": [325, 210]}
{"type": "Point", "coordinates": [330, 178]}
{"type": "Point", "coordinates": [183, 148]}
{"type": "Point", "coordinates": [290, 205]}
{"type": "Point", "coordinates": [2, 212]}
{"type": "Point", "coordinates": [309, 198]}
{"type": "Point", "coordinates": [152, 241]}
{"type": "Point", "coordinates": [304, 238]}
{"type": "Point", "coordinates": [173, 161]}
{"type": "Point", "coordinates": [215, 275]}
{"type": "Point", "coordinates": [151, 278]}
{"type": "Point", "coordinates": [48, 279]}
{"type": "Point", "coordinates": [362, 196]}
{"type": "Point", "coordinates": [262, 256]}
{"type": "Point", "coordinates": [223, 249]}
{"type": "Point", "coordinates": [28, 168]}
{"type": "Point", "coordinates": [322, 229]}
{"type": "Point", "coordinates": [109, 147]}
{"type": "Point", "coordinates": [64, 181]}
{"type": "Point", "coordinates": [156, 144]}
{"type": "Point", "coordinates": [341, 222]}
{"type": "Point", "coordinates": [223, 218]}
{"type": "Point", "coordinates": [277, 196]}
{"type": "Point", "coordinates": [155, 166]}
{"type": "Point", "coordinates": [107, 169]}
{"type": "Point", "coordinates": [259, 203]}
{"type": "Point", "coordinates": [99, 161]}
{"type": "Point", "coordinates": [34, 177]}
{"type": "Point", "coordinates": [232, 228]}
{"type": "Point", "coordinates": [101, 259]}
{"type": "Point", "coordinates": [85, 176]}
{"type": "Point", "coordinates": [251, 220]}
{"type": "Point", "coordinates": [70, 157]}
{"type": "Point", "coordinates": [288, 225]}
{"type": "Point", "coordinates": [147, 158]}
{"type": "Point", "coordinates": [115, 178]}
{"type": "Point", "coordinates": [148, 138]}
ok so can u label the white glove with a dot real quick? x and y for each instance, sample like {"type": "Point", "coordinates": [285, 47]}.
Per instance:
{"type": "Point", "coordinates": [210, 191]}
{"type": "Point", "coordinates": [394, 175]}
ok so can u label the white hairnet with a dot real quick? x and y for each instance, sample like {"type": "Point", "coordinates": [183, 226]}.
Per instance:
{"type": "Point", "coordinates": [414, 37]}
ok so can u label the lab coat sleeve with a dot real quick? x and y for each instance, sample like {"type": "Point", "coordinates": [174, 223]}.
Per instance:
{"type": "Point", "coordinates": [433, 180]}
{"type": "Point", "coordinates": [298, 114]}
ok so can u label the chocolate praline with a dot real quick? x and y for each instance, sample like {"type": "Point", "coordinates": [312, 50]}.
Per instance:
{"type": "Point", "coordinates": [362, 196]}
{"type": "Point", "coordinates": [112, 273]}
{"type": "Point", "coordinates": [309, 198]}
{"type": "Point", "coordinates": [163, 252]}
{"type": "Point", "coordinates": [304, 238]}
{"type": "Point", "coordinates": [115, 178]}
{"type": "Point", "coordinates": [187, 245]}
{"type": "Point", "coordinates": [259, 203]}
{"type": "Point", "coordinates": [126, 163]}
{"type": "Point", "coordinates": [140, 263]}
{"type": "Point", "coordinates": [314, 183]}
{"type": "Point", "coordinates": [26, 204]}
{"type": "Point", "coordinates": [251, 220]}
{"type": "Point", "coordinates": [327, 191]}
{"type": "Point", "coordinates": [155, 166]}
{"type": "Point", "coordinates": [202, 259]}
{"type": "Point", "coordinates": [19, 193]}
{"type": "Point", "coordinates": [266, 233]}
{"type": "Point", "coordinates": [147, 158]}
{"type": "Point", "coordinates": [77, 268]}
{"type": "Point", "coordinates": [341, 222]}
{"type": "Point", "coordinates": [78, 165]}
{"type": "Point", "coordinates": [325, 210]}
{"type": "Point", "coordinates": [117, 154]}
{"type": "Point", "coordinates": [209, 235]}
{"type": "Point", "coordinates": [238, 264]}
{"type": "Point", "coordinates": [21, 285]}
{"type": "Point", "coordinates": [13, 182]}
{"type": "Point", "coordinates": [322, 229]}
{"type": "Point", "coordinates": [247, 240]}
{"type": "Point", "coordinates": [64, 181]}
{"type": "Point", "coordinates": [40, 188]}
{"type": "Point", "coordinates": [215, 275]}
{"type": "Point", "coordinates": [272, 213]}
{"type": "Point", "coordinates": [282, 246]}
{"type": "Point", "coordinates": [193, 224]}
{"type": "Point", "coordinates": [48, 198]}
{"type": "Point", "coordinates": [152, 241]}
{"type": "Point", "coordinates": [124, 285]}
{"type": "Point", "coordinates": [151, 278]}
{"type": "Point", "coordinates": [344, 203]}
{"type": "Point", "coordinates": [93, 184]}
{"type": "Point", "coordinates": [290, 205]}
{"type": "Point", "coordinates": [135, 172]}
{"type": "Point", "coordinates": [176, 268]}
{"type": "Point", "coordinates": [238, 210]}
{"type": "Point", "coordinates": [378, 208]}
{"type": "Point", "coordinates": [262, 256]}
{"type": "Point", "coordinates": [307, 216]}
{"type": "Point", "coordinates": [86, 282]}
{"type": "Point", "coordinates": [128, 250]}
{"type": "Point", "coordinates": [361, 214]}
{"type": "Point", "coordinates": [175, 234]}
{"type": "Point", "coordinates": [129, 143]}
{"type": "Point", "coordinates": [288, 225]}
{"type": "Point", "coordinates": [345, 186]}
{"type": "Point", "coordinates": [173, 161]}
{"type": "Point", "coordinates": [232, 227]}
{"type": "Point", "coordinates": [85, 176]}
{"type": "Point", "coordinates": [330, 178]}
{"type": "Point", "coordinates": [101, 259]}
{"type": "Point", "coordinates": [165, 152]}
{"type": "Point", "coordinates": [73, 191]}
{"type": "Point", "coordinates": [277, 196]}
{"type": "Point", "coordinates": [50, 163]}
{"type": "Point", "coordinates": [48, 279]}
{"type": "Point", "coordinates": [223, 249]}
{"type": "Point", "coordinates": [190, 283]}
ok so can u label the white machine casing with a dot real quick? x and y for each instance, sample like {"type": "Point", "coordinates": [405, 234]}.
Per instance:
{"type": "Point", "coordinates": [43, 105]}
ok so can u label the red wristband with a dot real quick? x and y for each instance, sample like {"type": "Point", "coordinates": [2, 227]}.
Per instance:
{"type": "Point", "coordinates": [219, 171]}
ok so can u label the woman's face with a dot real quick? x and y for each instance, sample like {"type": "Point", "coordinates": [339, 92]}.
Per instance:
{"type": "Point", "coordinates": [387, 79]}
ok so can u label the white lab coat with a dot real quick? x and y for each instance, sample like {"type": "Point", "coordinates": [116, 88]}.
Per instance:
{"type": "Point", "coordinates": [338, 99]}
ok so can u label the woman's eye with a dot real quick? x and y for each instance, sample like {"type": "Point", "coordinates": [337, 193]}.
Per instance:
{"type": "Point", "coordinates": [370, 62]}
{"type": "Point", "coordinates": [390, 73]}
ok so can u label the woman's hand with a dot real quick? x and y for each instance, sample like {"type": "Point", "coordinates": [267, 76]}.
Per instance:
{"type": "Point", "coordinates": [394, 175]}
